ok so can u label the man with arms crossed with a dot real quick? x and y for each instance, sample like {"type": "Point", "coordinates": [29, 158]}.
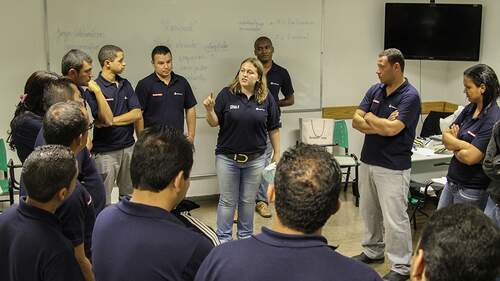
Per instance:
{"type": "Point", "coordinates": [113, 143]}
{"type": "Point", "coordinates": [388, 116]}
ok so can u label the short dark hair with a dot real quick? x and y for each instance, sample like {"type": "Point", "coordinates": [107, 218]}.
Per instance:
{"type": "Point", "coordinates": [260, 39]}
{"type": "Point", "coordinates": [63, 123]}
{"type": "Point", "coordinates": [160, 50]}
{"type": "Point", "coordinates": [74, 60]}
{"type": "Point", "coordinates": [394, 56]}
{"type": "Point", "coordinates": [307, 186]}
{"type": "Point", "coordinates": [160, 153]}
{"type": "Point", "coordinates": [57, 91]}
{"type": "Point", "coordinates": [108, 52]}
{"type": "Point", "coordinates": [484, 74]}
{"type": "Point", "coordinates": [460, 243]}
{"type": "Point", "coordinates": [47, 170]}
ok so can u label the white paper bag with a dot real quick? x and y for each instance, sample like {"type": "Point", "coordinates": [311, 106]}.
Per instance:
{"type": "Point", "coordinates": [316, 130]}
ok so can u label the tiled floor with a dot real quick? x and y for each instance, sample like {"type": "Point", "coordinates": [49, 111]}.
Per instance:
{"type": "Point", "coordinates": [344, 229]}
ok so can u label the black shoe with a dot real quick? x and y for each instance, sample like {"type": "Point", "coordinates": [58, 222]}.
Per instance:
{"type": "Point", "coordinates": [365, 259]}
{"type": "Point", "coordinates": [394, 276]}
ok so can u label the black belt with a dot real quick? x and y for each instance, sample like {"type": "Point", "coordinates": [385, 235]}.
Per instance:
{"type": "Point", "coordinates": [242, 157]}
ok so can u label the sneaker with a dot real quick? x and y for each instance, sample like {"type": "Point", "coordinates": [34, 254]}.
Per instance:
{"type": "Point", "coordinates": [365, 259]}
{"type": "Point", "coordinates": [394, 276]}
{"type": "Point", "coordinates": [263, 210]}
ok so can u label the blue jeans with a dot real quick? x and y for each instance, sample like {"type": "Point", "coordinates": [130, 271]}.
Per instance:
{"type": "Point", "coordinates": [238, 183]}
{"type": "Point", "coordinates": [262, 193]}
{"type": "Point", "coordinates": [492, 210]}
{"type": "Point", "coordinates": [454, 194]}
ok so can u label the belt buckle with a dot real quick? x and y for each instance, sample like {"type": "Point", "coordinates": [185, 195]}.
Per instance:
{"type": "Point", "coordinates": [237, 159]}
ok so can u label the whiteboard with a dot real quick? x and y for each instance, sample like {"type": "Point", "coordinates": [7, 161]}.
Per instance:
{"type": "Point", "coordinates": [208, 39]}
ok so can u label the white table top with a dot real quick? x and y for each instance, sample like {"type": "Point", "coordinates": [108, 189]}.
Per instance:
{"type": "Point", "coordinates": [424, 154]}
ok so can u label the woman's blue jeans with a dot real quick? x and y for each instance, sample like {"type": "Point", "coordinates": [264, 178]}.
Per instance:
{"type": "Point", "coordinates": [454, 194]}
{"type": "Point", "coordinates": [238, 184]}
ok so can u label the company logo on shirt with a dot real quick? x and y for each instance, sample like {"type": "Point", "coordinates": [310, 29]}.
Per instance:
{"type": "Point", "coordinates": [274, 83]}
{"type": "Point", "coordinates": [376, 101]}
{"type": "Point", "coordinates": [471, 133]}
{"type": "Point", "coordinates": [110, 99]}
{"type": "Point", "coordinates": [157, 94]}
{"type": "Point", "coordinates": [232, 106]}
{"type": "Point", "coordinates": [260, 109]}
{"type": "Point", "coordinates": [178, 94]}
{"type": "Point", "coordinates": [392, 106]}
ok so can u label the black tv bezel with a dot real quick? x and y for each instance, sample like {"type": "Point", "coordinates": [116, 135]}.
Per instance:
{"type": "Point", "coordinates": [444, 58]}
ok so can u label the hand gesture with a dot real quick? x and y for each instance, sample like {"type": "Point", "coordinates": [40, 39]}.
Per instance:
{"type": "Point", "coordinates": [93, 87]}
{"type": "Point", "coordinates": [209, 103]}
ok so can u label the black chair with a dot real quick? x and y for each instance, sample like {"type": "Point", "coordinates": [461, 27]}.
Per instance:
{"type": "Point", "coordinates": [431, 123]}
{"type": "Point", "coordinates": [13, 183]}
{"type": "Point", "coordinates": [418, 199]}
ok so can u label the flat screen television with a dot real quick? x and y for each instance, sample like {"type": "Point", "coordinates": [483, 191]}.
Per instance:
{"type": "Point", "coordinates": [434, 31]}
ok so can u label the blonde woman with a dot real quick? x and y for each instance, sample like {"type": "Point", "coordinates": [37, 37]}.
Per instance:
{"type": "Point", "coordinates": [245, 115]}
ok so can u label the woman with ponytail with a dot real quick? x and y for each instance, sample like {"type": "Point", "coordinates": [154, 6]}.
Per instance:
{"type": "Point", "coordinates": [27, 120]}
{"type": "Point", "coordinates": [468, 138]}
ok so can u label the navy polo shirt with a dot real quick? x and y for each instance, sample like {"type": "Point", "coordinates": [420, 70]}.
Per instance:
{"type": "Point", "coordinates": [33, 247]}
{"type": "Point", "coordinates": [391, 152]}
{"type": "Point", "coordinates": [272, 255]}
{"type": "Point", "coordinates": [476, 131]}
{"type": "Point", "coordinates": [121, 99]}
{"type": "Point", "coordinates": [77, 213]}
{"type": "Point", "coordinates": [244, 124]}
{"type": "Point", "coordinates": [77, 216]}
{"type": "Point", "coordinates": [165, 104]}
{"type": "Point", "coordinates": [133, 241]}
{"type": "Point", "coordinates": [88, 175]}
{"type": "Point", "coordinates": [27, 127]}
{"type": "Point", "coordinates": [279, 79]}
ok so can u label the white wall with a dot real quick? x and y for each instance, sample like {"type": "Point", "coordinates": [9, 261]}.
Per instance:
{"type": "Point", "coordinates": [21, 52]}
{"type": "Point", "coordinates": [353, 37]}
{"type": "Point", "coordinates": [354, 32]}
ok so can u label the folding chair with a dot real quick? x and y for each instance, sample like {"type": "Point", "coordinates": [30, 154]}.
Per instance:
{"type": "Point", "coordinates": [8, 182]}
{"type": "Point", "coordinates": [346, 161]}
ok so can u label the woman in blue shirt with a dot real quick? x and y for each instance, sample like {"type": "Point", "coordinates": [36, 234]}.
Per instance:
{"type": "Point", "coordinates": [245, 114]}
{"type": "Point", "coordinates": [468, 138]}
{"type": "Point", "coordinates": [28, 116]}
